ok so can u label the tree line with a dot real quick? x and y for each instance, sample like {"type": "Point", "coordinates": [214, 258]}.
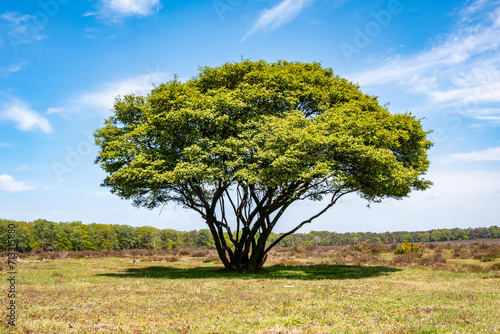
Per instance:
{"type": "Point", "coordinates": [76, 236]}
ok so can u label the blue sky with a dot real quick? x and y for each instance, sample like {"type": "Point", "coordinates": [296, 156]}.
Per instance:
{"type": "Point", "coordinates": [62, 63]}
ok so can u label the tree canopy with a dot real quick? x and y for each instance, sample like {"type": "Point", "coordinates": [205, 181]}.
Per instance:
{"type": "Point", "coordinates": [252, 138]}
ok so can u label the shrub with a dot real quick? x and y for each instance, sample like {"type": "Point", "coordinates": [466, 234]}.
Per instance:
{"type": "Point", "coordinates": [211, 258]}
{"type": "Point", "coordinates": [184, 251]}
{"type": "Point", "coordinates": [486, 253]}
{"type": "Point", "coordinates": [200, 253]}
{"type": "Point", "coordinates": [406, 259]}
{"type": "Point", "coordinates": [376, 247]}
{"type": "Point", "coordinates": [495, 266]}
{"type": "Point", "coordinates": [460, 253]}
{"type": "Point", "coordinates": [408, 247]}
{"type": "Point", "coordinates": [436, 260]}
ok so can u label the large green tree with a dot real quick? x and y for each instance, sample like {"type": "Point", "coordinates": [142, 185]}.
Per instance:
{"type": "Point", "coordinates": [240, 143]}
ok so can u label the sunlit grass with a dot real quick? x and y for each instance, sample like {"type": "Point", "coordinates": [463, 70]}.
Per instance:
{"type": "Point", "coordinates": [114, 295]}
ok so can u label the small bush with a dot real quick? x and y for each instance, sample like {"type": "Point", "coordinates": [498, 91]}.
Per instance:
{"type": "Point", "coordinates": [357, 247]}
{"type": "Point", "coordinates": [485, 252]}
{"type": "Point", "coordinates": [211, 258]}
{"type": "Point", "coordinates": [495, 266]}
{"type": "Point", "coordinates": [475, 268]}
{"type": "Point", "coordinates": [460, 253]}
{"type": "Point", "coordinates": [406, 259]}
{"type": "Point", "coordinates": [184, 251]}
{"type": "Point", "coordinates": [376, 248]}
{"type": "Point", "coordinates": [435, 260]}
{"type": "Point", "coordinates": [408, 247]}
{"type": "Point", "coordinates": [200, 253]}
{"type": "Point", "coordinates": [432, 245]}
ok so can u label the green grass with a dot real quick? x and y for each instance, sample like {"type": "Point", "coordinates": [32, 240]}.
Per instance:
{"type": "Point", "coordinates": [114, 295]}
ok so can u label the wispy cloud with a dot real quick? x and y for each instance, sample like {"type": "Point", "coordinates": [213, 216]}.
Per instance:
{"type": "Point", "coordinates": [55, 111]}
{"type": "Point", "coordinates": [492, 154]}
{"type": "Point", "coordinates": [23, 29]}
{"type": "Point", "coordinates": [102, 98]}
{"type": "Point", "coordinates": [25, 118]}
{"type": "Point", "coordinates": [124, 8]}
{"type": "Point", "coordinates": [283, 12]}
{"type": "Point", "coordinates": [10, 185]}
{"type": "Point", "coordinates": [462, 69]}
{"type": "Point", "coordinates": [5, 72]}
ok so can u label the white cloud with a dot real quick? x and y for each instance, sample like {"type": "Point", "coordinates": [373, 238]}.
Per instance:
{"type": "Point", "coordinates": [55, 111]}
{"type": "Point", "coordinates": [14, 68]}
{"type": "Point", "coordinates": [10, 185]}
{"type": "Point", "coordinates": [280, 14]}
{"type": "Point", "coordinates": [23, 28]}
{"type": "Point", "coordinates": [130, 7]}
{"type": "Point", "coordinates": [492, 154]}
{"type": "Point", "coordinates": [11, 69]}
{"type": "Point", "coordinates": [463, 69]}
{"type": "Point", "coordinates": [25, 118]}
{"type": "Point", "coordinates": [103, 98]}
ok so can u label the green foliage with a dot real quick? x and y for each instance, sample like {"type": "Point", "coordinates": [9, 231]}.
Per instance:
{"type": "Point", "coordinates": [261, 123]}
{"type": "Point", "coordinates": [204, 238]}
{"type": "Point", "coordinates": [71, 236]}
{"type": "Point", "coordinates": [408, 247]}
{"type": "Point", "coordinates": [127, 237]}
{"type": "Point", "coordinates": [44, 233]}
{"type": "Point", "coordinates": [23, 235]}
{"type": "Point", "coordinates": [270, 134]}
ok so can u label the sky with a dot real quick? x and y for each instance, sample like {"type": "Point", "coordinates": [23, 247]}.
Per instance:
{"type": "Point", "coordinates": [63, 62]}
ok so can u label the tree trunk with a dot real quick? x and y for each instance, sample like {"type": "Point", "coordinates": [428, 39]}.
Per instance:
{"type": "Point", "coordinates": [248, 254]}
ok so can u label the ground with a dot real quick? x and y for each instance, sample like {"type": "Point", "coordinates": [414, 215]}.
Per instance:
{"type": "Point", "coordinates": [449, 288]}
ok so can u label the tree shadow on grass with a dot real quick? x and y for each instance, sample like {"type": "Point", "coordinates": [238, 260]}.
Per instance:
{"type": "Point", "coordinates": [312, 272]}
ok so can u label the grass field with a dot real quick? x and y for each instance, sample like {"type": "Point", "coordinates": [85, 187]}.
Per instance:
{"type": "Point", "coordinates": [449, 288]}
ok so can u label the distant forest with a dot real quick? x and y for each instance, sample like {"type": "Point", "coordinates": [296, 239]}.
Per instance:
{"type": "Point", "coordinates": [51, 236]}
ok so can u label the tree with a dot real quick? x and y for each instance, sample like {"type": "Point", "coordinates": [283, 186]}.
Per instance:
{"type": "Point", "coordinates": [203, 239]}
{"type": "Point", "coordinates": [240, 143]}
{"type": "Point", "coordinates": [407, 237]}
{"type": "Point", "coordinates": [127, 236]}
{"type": "Point", "coordinates": [20, 233]}
{"type": "Point", "coordinates": [146, 237]}
{"type": "Point", "coordinates": [44, 234]}
{"type": "Point", "coordinates": [64, 233]}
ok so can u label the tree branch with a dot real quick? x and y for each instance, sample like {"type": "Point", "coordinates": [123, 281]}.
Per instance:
{"type": "Point", "coordinates": [334, 200]}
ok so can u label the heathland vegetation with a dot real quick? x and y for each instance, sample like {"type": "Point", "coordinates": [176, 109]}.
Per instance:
{"type": "Point", "coordinates": [442, 287]}
{"type": "Point", "coordinates": [51, 236]}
